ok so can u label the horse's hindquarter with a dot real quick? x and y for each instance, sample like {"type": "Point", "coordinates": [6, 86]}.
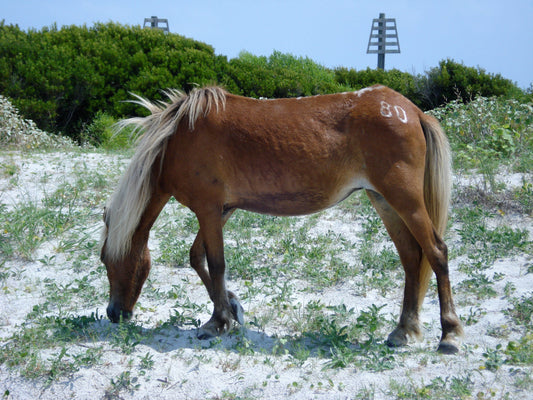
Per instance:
{"type": "Point", "coordinates": [282, 157]}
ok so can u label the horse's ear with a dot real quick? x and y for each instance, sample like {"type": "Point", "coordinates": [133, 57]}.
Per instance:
{"type": "Point", "coordinates": [104, 215]}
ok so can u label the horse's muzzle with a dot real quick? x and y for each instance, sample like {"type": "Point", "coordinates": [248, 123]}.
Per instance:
{"type": "Point", "coordinates": [115, 313]}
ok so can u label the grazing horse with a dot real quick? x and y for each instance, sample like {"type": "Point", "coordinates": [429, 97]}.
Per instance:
{"type": "Point", "coordinates": [216, 152]}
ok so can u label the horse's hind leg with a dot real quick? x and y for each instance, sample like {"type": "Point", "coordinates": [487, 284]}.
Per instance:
{"type": "Point", "coordinates": [412, 211]}
{"type": "Point", "coordinates": [415, 280]}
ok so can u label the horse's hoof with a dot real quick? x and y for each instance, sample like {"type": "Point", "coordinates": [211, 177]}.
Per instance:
{"type": "Point", "coordinates": [396, 339]}
{"type": "Point", "coordinates": [393, 344]}
{"type": "Point", "coordinates": [447, 348]}
{"type": "Point", "coordinates": [115, 314]}
{"type": "Point", "coordinates": [205, 334]}
{"type": "Point", "coordinates": [237, 311]}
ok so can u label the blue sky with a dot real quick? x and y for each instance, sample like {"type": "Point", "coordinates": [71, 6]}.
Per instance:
{"type": "Point", "coordinates": [496, 35]}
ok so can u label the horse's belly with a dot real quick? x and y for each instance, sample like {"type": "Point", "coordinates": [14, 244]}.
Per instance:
{"type": "Point", "coordinates": [284, 204]}
{"type": "Point", "coordinates": [300, 202]}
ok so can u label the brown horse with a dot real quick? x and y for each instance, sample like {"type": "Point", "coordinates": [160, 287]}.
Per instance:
{"type": "Point", "coordinates": [216, 152]}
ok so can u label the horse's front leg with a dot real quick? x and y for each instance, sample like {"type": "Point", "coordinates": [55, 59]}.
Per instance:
{"type": "Point", "coordinates": [226, 308]}
{"type": "Point", "coordinates": [197, 259]}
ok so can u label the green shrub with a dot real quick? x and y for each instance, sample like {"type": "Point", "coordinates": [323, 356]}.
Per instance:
{"type": "Point", "coordinates": [438, 86]}
{"type": "Point", "coordinates": [400, 81]}
{"type": "Point", "coordinates": [521, 352]}
{"type": "Point", "coordinates": [102, 132]}
{"type": "Point", "coordinates": [280, 75]}
{"type": "Point", "coordinates": [454, 81]}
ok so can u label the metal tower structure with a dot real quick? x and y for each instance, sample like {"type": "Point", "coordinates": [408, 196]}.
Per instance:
{"type": "Point", "coordinates": [154, 23]}
{"type": "Point", "coordinates": [383, 38]}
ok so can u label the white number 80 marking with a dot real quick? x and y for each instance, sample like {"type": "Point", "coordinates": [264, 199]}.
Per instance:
{"type": "Point", "coordinates": [386, 111]}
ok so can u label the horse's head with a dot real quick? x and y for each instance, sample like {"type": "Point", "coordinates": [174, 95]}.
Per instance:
{"type": "Point", "coordinates": [126, 274]}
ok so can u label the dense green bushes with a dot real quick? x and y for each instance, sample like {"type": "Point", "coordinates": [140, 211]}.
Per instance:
{"type": "Point", "coordinates": [280, 75]}
{"type": "Point", "coordinates": [400, 81]}
{"type": "Point", "coordinates": [450, 81]}
{"type": "Point", "coordinates": [440, 85]}
{"type": "Point", "coordinates": [61, 78]}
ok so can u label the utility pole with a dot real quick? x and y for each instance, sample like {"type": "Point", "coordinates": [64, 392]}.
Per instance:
{"type": "Point", "coordinates": [383, 38]}
{"type": "Point", "coordinates": [153, 23]}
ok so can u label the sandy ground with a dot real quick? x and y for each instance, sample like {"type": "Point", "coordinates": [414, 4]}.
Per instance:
{"type": "Point", "coordinates": [245, 363]}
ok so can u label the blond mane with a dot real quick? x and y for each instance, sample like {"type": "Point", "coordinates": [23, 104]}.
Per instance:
{"type": "Point", "coordinates": [128, 202]}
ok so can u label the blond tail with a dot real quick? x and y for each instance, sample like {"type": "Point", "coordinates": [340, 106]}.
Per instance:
{"type": "Point", "coordinates": [437, 187]}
